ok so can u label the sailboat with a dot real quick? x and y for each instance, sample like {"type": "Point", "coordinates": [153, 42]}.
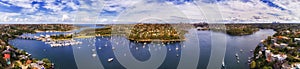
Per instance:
{"type": "Point", "coordinates": [223, 64]}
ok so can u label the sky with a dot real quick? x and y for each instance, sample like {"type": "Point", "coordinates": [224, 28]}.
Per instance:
{"type": "Point", "coordinates": [149, 11]}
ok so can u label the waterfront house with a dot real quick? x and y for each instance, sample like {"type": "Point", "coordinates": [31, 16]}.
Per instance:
{"type": "Point", "coordinates": [283, 37]}
{"type": "Point", "coordinates": [297, 40]}
{"type": "Point", "coordinates": [283, 45]}
{"type": "Point", "coordinates": [37, 66]}
{"type": "Point", "coordinates": [276, 45]}
{"type": "Point", "coordinates": [268, 55]}
{"type": "Point", "coordinates": [23, 57]}
{"type": "Point", "coordinates": [7, 56]}
{"type": "Point", "coordinates": [280, 57]}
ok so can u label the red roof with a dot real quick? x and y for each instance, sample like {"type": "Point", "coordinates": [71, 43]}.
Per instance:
{"type": "Point", "coordinates": [6, 56]}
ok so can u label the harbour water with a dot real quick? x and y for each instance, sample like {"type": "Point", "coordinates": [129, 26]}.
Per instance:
{"type": "Point", "coordinates": [80, 56]}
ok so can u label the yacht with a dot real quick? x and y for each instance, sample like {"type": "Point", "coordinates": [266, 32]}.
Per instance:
{"type": "Point", "coordinates": [110, 59]}
{"type": "Point", "coordinates": [237, 55]}
{"type": "Point", "coordinates": [94, 55]}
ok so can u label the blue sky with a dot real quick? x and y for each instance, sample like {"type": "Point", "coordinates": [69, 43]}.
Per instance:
{"type": "Point", "coordinates": [125, 11]}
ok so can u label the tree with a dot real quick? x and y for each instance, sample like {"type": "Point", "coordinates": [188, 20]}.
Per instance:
{"type": "Point", "coordinates": [267, 67]}
{"type": "Point", "coordinates": [253, 65]}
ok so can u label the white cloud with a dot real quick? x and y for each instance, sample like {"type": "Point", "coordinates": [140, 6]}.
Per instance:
{"type": "Point", "coordinates": [132, 11]}
{"type": "Point", "coordinates": [82, 14]}
{"type": "Point", "coordinates": [232, 11]}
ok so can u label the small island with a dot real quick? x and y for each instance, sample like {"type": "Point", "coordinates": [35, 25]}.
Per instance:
{"type": "Point", "coordinates": [155, 32]}
{"type": "Point", "coordinates": [141, 32]}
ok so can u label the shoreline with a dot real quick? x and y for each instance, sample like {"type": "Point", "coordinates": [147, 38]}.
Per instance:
{"type": "Point", "coordinates": [156, 40]}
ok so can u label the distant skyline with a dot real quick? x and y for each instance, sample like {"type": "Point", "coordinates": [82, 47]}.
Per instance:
{"type": "Point", "coordinates": [156, 11]}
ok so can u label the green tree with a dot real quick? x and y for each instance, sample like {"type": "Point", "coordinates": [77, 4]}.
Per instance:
{"type": "Point", "coordinates": [267, 67]}
{"type": "Point", "coordinates": [253, 65]}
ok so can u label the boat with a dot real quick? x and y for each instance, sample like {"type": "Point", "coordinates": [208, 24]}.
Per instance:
{"type": "Point", "coordinates": [110, 59]}
{"type": "Point", "coordinates": [241, 50]}
{"type": "Point", "coordinates": [94, 55]}
{"type": "Point", "coordinates": [223, 63]}
{"type": "Point", "coordinates": [236, 54]}
{"type": "Point", "coordinates": [177, 48]}
{"type": "Point", "coordinates": [113, 48]}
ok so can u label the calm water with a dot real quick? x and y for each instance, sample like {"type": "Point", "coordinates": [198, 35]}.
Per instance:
{"type": "Point", "coordinates": [129, 53]}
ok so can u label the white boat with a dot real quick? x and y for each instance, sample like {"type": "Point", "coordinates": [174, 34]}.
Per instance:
{"type": "Point", "coordinates": [110, 59]}
{"type": "Point", "coordinates": [113, 48]}
{"type": "Point", "coordinates": [94, 55]}
{"type": "Point", "coordinates": [223, 64]}
{"type": "Point", "coordinates": [236, 54]}
{"type": "Point", "coordinates": [177, 48]}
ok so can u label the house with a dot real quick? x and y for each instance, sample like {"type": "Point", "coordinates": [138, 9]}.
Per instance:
{"type": "Point", "coordinates": [280, 57]}
{"type": "Point", "coordinates": [37, 66]}
{"type": "Point", "coordinates": [6, 56]}
{"type": "Point", "coordinates": [268, 55]}
{"type": "Point", "coordinates": [282, 45]}
{"type": "Point", "coordinates": [296, 66]}
{"type": "Point", "coordinates": [286, 66]}
{"type": "Point", "coordinates": [287, 31]}
{"type": "Point", "coordinates": [276, 45]}
{"type": "Point", "coordinates": [283, 37]}
{"type": "Point", "coordinates": [297, 40]}
{"type": "Point", "coordinates": [273, 40]}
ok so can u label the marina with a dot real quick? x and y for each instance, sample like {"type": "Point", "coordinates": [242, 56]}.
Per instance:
{"type": "Point", "coordinates": [52, 42]}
